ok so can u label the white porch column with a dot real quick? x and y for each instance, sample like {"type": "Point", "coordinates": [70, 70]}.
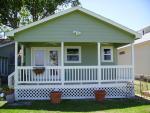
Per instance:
{"type": "Point", "coordinates": [99, 61]}
{"type": "Point", "coordinates": [16, 63]}
{"type": "Point", "coordinates": [22, 56]}
{"type": "Point", "coordinates": [132, 59]}
{"type": "Point", "coordinates": [62, 63]}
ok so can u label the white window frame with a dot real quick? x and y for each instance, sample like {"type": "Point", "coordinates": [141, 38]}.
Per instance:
{"type": "Point", "coordinates": [111, 53]}
{"type": "Point", "coordinates": [72, 47]}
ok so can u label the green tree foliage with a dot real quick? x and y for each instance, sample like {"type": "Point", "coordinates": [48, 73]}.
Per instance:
{"type": "Point", "coordinates": [15, 13]}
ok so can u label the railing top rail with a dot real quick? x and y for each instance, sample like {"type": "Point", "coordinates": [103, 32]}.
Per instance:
{"type": "Point", "coordinates": [12, 74]}
{"type": "Point", "coordinates": [56, 67]}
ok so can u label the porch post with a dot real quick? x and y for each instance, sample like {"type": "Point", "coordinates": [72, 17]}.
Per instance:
{"type": "Point", "coordinates": [99, 61]}
{"type": "Point", "coordinates": [22, 57]}
{"type": "Point", "coordinates": [132, 60]}
{"type": "Point", "coordinates": [16, 63]}
{"type": "Point", "coordinates": [62, 63]}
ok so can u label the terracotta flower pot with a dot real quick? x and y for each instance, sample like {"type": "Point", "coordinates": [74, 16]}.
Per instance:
{"type": "Point", "coordinates": [55, 97]}
{"type": "Point", "coordinates": [100, 95]}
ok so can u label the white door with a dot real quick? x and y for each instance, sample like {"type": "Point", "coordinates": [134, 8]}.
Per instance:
{"type": "Point", "coordinates": [38, 57]}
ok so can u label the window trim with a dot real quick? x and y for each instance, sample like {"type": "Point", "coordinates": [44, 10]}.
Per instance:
{"type": "Point", "coordinates": [111, 50]}
{"type": "Point", "coordinates": [72, 47]}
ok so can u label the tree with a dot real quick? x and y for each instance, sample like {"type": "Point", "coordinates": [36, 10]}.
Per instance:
{"type": "Point", "coordinates": [14, 13]}
{"type": "Point", "coordinates": [9, 12]}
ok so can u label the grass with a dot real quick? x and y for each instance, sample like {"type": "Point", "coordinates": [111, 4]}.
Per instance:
{"type": "Point", "coordinates": [81, 106]}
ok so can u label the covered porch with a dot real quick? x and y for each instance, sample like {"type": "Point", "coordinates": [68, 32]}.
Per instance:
{"type": "Point", "coordinates": [74, 80]}
{"type": "Point", "coordinates": [87, 63]}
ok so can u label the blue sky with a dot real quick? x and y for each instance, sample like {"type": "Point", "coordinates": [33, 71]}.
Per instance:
{"type": "Point", "coordinates": [134, 14]}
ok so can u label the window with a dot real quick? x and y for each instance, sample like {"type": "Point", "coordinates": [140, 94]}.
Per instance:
{"type": "Point", "coordinates": [73, 54]}
{"type": "Point", "coordinates": [39, 58]}
{"type": "Point", "coordinates": [107, 54]}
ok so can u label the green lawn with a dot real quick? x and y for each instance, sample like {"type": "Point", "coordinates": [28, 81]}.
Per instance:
{"type": "Point", "coordinates": [80, 106]}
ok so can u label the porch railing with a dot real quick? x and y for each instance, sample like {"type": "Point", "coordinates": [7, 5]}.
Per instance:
{"type": "Point", "coordinates": [75, 74]}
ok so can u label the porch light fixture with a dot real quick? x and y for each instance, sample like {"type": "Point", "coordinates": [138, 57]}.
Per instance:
{"type": "Point", "coordinates": [77, 33]}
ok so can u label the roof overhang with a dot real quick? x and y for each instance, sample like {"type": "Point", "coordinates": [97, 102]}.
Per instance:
{"type": "Point", "coordinates": [137, 35]}
{"type": "Point", "coordinates": [3, 45]}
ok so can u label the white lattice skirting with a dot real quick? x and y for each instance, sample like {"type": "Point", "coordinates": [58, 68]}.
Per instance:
{"type": "Point", "coordinates": [42, 93]}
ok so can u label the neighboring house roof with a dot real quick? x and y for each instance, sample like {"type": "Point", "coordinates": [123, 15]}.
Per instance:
{"type": "Point", "coordinates": [145, 38]}
{"type": "Point", "coordinates": [5, 42]}
{"type": "Point", "coordinates": [11, 33]}
{"type": "Point", "coordinates": [144, 30]}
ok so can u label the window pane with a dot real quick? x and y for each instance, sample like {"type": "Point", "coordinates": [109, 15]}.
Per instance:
{"type": "Point", "coordinates": [72, 51]}
{"type": "Point", "coordinates": [107, 51]}
{"type": "Point", "coordinates": [107, 57]}
{"type": "Point", "coordinates": [72, 58]}
{"type": "Point", "coordinates": [39, 58]}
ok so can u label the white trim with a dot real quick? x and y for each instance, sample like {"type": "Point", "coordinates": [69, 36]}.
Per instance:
{"type": "Point", "coordinates": [62, 62]}
{"type": "Point", "coordinates": [3, 45]}
{"type": "Point", "coordinates": [132, 55]}
{"type": "Point", "coordinates": [62, 53]}
{"type": "Point", "coordinates": [99, 61]}
{"type": "Point", "coordinates": [99, 53]}
{"type": "Point", "coordinates": [72, 47]}
{"type": "Point", "coordinates": [10, 80]}
{"type": "Point", "coordinates": [22, 55]}
{"type": "Point", "coordinates": [70, 86]}
{"type": "Point", "coordinates": [11, 33]}
{"type": "Point", "coordinates": [107, 47]}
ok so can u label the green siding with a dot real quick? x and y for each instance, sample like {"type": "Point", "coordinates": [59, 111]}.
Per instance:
{"type": "Point", "coordinates": [88, 54]}
{"type": "Point", "coordinates": [61, 29]}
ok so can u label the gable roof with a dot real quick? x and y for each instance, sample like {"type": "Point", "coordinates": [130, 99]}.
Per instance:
{"type": "Point", "coordinates": [137, 35]}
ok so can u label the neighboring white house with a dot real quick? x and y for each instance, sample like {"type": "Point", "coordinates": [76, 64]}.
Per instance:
{"type": "Point", "coordinates": [141, 54]}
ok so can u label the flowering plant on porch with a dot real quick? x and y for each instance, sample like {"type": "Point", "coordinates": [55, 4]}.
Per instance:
{"type": "Point", "coordinates": [9, 93]}
{"type": "Point", "coordinates": [38, 70]}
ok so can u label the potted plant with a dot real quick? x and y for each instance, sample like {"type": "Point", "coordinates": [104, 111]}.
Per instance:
{"type": "Point", "coordinates": [9, 94]}
{"type": "Point", "coordinates": [55, 97]}
{"type": "Point", "coordinates": [100, 95]}
{"type": "Point", "coordinates": [38, 70]}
